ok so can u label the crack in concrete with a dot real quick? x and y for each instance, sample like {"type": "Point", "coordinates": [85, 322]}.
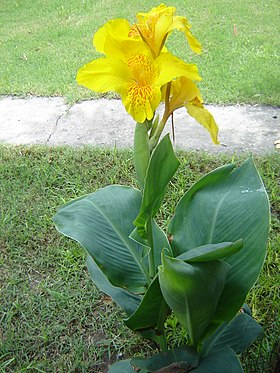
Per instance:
{"type": "Point", "coordinates": [57, 122]}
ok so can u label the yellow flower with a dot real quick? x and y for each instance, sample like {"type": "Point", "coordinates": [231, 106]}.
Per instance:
{"type": "Point", "coordinates": [185, 93]}
{"type": "Point", "coordinates": [157, 24]}
{"type": "Point", "coordinates": [130, 70]}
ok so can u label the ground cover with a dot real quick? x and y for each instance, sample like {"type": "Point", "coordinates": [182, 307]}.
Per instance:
{"type": "Point", "coordinates": [43, 46]}
{"type": "Point", "coordinates": [51, 316]}
{"type": "Point", "coordinates": [52, 319]}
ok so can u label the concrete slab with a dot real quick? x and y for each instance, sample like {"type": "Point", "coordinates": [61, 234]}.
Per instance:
{"type": "Point", "coordinates": [49, 121]}
{"type": "Point", "coordinates": [29, 121]}
{"type": "Point", "coordinates": [99, 123]}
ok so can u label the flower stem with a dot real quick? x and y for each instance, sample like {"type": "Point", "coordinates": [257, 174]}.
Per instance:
{"type": "Point", "coordinates": [154, 140]}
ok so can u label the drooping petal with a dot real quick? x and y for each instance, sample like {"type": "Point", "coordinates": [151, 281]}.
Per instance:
{"type": "Point", "coordinates": [171, 67]}
{"type": "Point", "coordinates": [202, 116]}
{"type": "Point", "coordinates": [181, 24]}
{"type": "Point", "coordinates": [104, 75]}
{"type": "Point", "coordinates": [118, 28]}
{"type": "Point", "coordinates": [141, 101]}
{"type": "Point", "coordinates": [183, 90]}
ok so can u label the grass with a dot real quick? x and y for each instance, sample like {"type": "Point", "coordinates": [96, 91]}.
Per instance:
{"type": "Point", "coordinates": [42, 47]}
{"type": "Point", "coordinates": [52, 318]}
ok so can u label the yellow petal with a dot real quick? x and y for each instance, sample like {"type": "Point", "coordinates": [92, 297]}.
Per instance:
{"type": "Point", "coordinates": [132, 73]}
{"type": "Point", "coordinates": [202, 116]}
{"type": "Point", "coordinates": [161, 30]}
{"type": "Point", "coordinates": [171, 67]}
{"type": "Point", "coordinates": [138, 58]}
{"type": "Point", "coordinates": [118, 28]}
{"type": "Point", "coordinates": [104, 75]}
{"type": "Point", "coordinates": [153, 27]}
{"type": "Point", "coordinates": [193, 42]}
{"type": "Point", "coordinates": [141, 101]}
{"type": "Point", "coordinates": [183, 90]}
{"type": "Point", "coordinates": [142, 96]}
{"type": "Point", "coordinates": [127, 49]}
{"type": "Point", "coordinates": [156, 25]}
{"type": "Point", "coordinates": [181, 24]}
{"type": "Point", "coordinates": [153, 15]}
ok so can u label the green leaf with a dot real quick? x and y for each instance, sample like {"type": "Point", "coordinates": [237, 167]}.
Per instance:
{"type": "Point", "coordinates": [210, 252]}
{"type": "Point", "coordinates": [187, 233]}
{"type": "Point", "coordinates": [102, 222]}
{"type": "Point", "coordinates": [182, 357]}
{"type": "Point", "coordinates": [239, 334]}
{"type": "Point", "coordinates": [192, 291]}
{"type": "Point", "coordinates": [219, 361]}
{"type": "Point", "coordinates": [226, 205]}
{"type": "Point", "coordinates": [128, 301]}
{"type": "Point", "coordinates": [163, 165]}
{"type": "Point", "coordinates": [122, 366]}
{"type": "Point", "coordinates": [152, 311]}
{"type": "Point", "coordinates": [141, 152]}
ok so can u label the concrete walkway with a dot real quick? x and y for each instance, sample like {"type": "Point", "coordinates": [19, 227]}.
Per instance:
{"type": "Point", "coordinates": [49, 121]}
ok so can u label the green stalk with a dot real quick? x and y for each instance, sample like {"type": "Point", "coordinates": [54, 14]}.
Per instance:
{"type": "Point", "coordinates": [160, 326]}
{"type": "Point", "coordinates": [141, 151]}
{"type": "Point", "coordinates": [151, 255]}
{"type": "Point", "coordinates": [162, 342]}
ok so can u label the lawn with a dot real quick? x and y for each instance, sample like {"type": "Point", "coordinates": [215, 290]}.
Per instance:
{"type": "Point", "coordinates": [43, 43]}
{"type": "Point", "coordinates": [53, 319]}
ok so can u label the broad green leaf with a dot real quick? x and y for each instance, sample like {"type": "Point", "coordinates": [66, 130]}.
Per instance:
{"type": "Point", "coordinates": [239, 334]}
{"type": "Point", "coordinates": [226, 205]}
{"type": "Point", "coordinates": [122, 366]}
{"type": "Point", "coordinates": [219, 361]}
{"type": "Point", "coordinates": [141, 152]}
{"type": "Point", "coordinates": [125, 299]}
{"type": "Point", "coordinates": [210, 252]}
{"type": "Point", "coordinates": [152, 311]}
{"type": "Point", "coordinates": [102, 222]}
{"type": "Point", "coordinates": [192, 291]}
{"type": "Point", "coordinates": [163, 165]}
{"type": "Point", "coordinates": [186, 231]}
{"type": "Point", "coordinates": [181, 357]}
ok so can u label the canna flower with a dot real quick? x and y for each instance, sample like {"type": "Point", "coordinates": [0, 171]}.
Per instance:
{"type": "Point", "coordinates": [155, 26]}
{"type": "Point", "coordinates": [130, 70]}
{"type": "Point", "coordinates": [185, 93]}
